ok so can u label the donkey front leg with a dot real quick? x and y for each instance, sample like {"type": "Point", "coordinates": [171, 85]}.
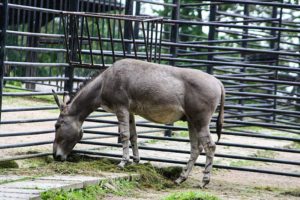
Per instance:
{"type": "Point", "coordinates": [209, 148]}
{"type": "Point", "coordinates": [123, 118]}
{"type": "Point", "coordinates": [133, 139]}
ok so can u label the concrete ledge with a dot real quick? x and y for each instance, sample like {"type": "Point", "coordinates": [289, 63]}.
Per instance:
{"type": "Point", "coordinates": [32, 189]}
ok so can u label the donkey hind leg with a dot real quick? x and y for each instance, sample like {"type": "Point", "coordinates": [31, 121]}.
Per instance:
{"type": "Point", "coordinates": [209, 148]}
{"type": "Point", "coordinates": [195, 151]}
{"type": "Point", "coordinates": [123, 118]}
{"type": "Point", "coordinates": [133, 139]}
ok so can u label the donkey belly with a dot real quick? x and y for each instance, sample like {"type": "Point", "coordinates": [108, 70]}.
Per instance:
{"type": "Point", "coordinates": [163, 114]}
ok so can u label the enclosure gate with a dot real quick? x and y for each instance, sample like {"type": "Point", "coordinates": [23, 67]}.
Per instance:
{"type": "Point", "coordinates": [256, 57]}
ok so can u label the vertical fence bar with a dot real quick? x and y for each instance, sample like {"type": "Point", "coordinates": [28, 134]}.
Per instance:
{"type": "Point", "coordinates": [211, 34]}
{"type": "Point", "coordinates": [145, 40]}
{"type": "Point", "coordinates": [275, 45]}
{"type": "Point", "coordinates": [128, 25]}
{"type": "Point", "coordinates": [73, 46]}
{"type": "Point", "coordinates": [89, 40]}
{"type": "Point", "coordinates": [174, 39]}
{"type": "Point", "coordinates": [174, 29]}
{"type": "Point", "coordinates": [111, 40]}
{"type": "Point", "coordinates": [133, 40]}
{"type": "Point", "coordinates": [244, 45]}
{"type": "Point", "coordinates": [3, 25]}
{"type": "Point", "coordinates": [122, 37]}
{"type": "Point", "coordinates": [100, 42]}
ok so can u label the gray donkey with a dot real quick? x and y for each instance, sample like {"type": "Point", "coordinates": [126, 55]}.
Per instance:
{"type": "Point", "coordinates": [159, 93]}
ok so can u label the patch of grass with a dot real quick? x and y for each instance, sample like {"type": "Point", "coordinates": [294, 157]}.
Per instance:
{"type": "Point", "coordinates": [170, 172]}
{"type": "Point", "coordinates": [151, 177]}
{"type": "Point", "coordinates": [293, 145]}
{"type": "Point", "coordinates": [88, 193]}
{"type": "Point", "coordinates": [40, 98]}
{"type": "Point", "coordinates": [256, 129]}
{"type": "Point", "coordinates": [267, 188]}
{"type": "Point", "coordinates": [182, 134]}
{"type": "Point", "coordinates": [181, 123]}
{"type": "Point", "coordinates": [8, 164]}
{"type": "Point", "coordinates": [240, 163]}
{"type": "Point", "coordinates": [264, 154]}
{"type": "Point", "coordinates": [152, 141]}
{"type": "Point", "coordinates": [117, 187]}
{"type": "Point", "coordinates": [293, 192]}
{"type": "Point", "coordinates": [191, 195]}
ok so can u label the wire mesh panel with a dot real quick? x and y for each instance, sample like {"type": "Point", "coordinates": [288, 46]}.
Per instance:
{"type": "Point", "coordinates": [95, 40]}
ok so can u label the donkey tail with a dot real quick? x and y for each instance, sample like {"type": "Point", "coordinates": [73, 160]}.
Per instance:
{"type": "Point", "coordinates": [220, 119]}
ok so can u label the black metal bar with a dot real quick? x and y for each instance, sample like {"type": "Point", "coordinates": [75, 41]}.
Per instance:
{"type": "Point", "coordinates": [174, 39]}
{"type": "Point", "coordinates": [100, 42]}
{"type": "Point", "coordinates": [188, 152]}
{"type": "Point", "coordinates": [3, 26]}
{"type": "Point", "coordinates": [145, 41]}
{"type": "Point", "coordinates": [128, 32]}
{"type": "Point", "coordinates": [211, 34]}
{"type": "Point", "coordinates": [234, 133]}
{"type": "Point", "coordinates": [89, 40]}
{"type": "Point", "coordinates": [135, 48]}
{"type": "Point", "coordinates": [196, 164]}
{"type": "Point", "coordinates": [122, 37]}
{"type": "Point", "coordinates": [185, 129]}
{"type": "Point", "coordinates": [73, 45]}
{"type": "Point", "coordinates": [111, 40]}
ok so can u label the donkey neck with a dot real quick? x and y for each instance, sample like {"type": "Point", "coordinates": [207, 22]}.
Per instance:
{"type": "Point", "coordinates": [86, 100]}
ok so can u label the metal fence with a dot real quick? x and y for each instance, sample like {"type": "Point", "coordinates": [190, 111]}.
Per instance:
{"type": "Point", "coordinates": [252, 46]}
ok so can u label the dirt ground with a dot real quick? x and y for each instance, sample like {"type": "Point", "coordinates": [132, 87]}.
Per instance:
{"type": "Point", "coordinates": [224, 184]}
{"type": "Point", "coordinates": [228, 185]}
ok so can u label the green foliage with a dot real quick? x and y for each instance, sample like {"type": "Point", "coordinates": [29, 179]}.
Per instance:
{"type": "Point", "coordinates": [37, 98]}
{"type": "Point", "coordinates": [265, 154]}
{"type": "Point", "coordinates": [88, 193]}
{"type": "Point", "coordinates": [293, 192]}
{"type": "Point", "coordinates": [117, 187]}
{"type": "Point", "coordinates": [170, 172]}
{"type": "Point", "coordinates": [191, 195]}
{"type": "Point", "coordinates": [241, 163]}
{"type": "Point", "coordinates": [266, 188]}
{"type": "Point", "coordinates": [293, 145]}
{"type": "Point", "coordinates": [8, 164]}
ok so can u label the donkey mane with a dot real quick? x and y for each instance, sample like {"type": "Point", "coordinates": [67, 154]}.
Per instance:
{"type": "Point", "coordinates": [82, 85]}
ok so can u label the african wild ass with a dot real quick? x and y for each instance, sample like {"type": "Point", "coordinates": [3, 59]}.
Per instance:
{"type": "Point", "coordinates": [159, 93]}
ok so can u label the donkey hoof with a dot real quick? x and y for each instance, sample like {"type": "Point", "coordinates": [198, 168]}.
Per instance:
{"type": "Point", "coordinates": [122, 164]}
{"type": "Point", "coordinates": [136, 161]}
{"type": "Point", "coordinates": [180, 180]}
{"type": "Point", "coordinates": [205, 181]}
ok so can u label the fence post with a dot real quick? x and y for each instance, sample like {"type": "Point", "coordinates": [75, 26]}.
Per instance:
{"type": "Point", "coordinates": [3, 25]}
{"type": "Point", "coordinates": [174, 39]}
{"type": "Point", "coordinates": [244, 45]}
{"type": "Point", "coordinates": [211, 34]}
{"type": "Point", "coordinates": [128, 25]}
{"type": "Point", "coordinates": [69, 71]}
{"type": "Point", "coordinates": [34, 26]}
{"type": "Point", "coordinates": [275, 45]}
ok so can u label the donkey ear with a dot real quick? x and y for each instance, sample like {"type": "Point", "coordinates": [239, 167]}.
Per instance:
{"type": "Point", "coordinates": [58, 102]}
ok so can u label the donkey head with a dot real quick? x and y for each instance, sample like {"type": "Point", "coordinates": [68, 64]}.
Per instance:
{"type": "Point", "coordinates": [67, 130]}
